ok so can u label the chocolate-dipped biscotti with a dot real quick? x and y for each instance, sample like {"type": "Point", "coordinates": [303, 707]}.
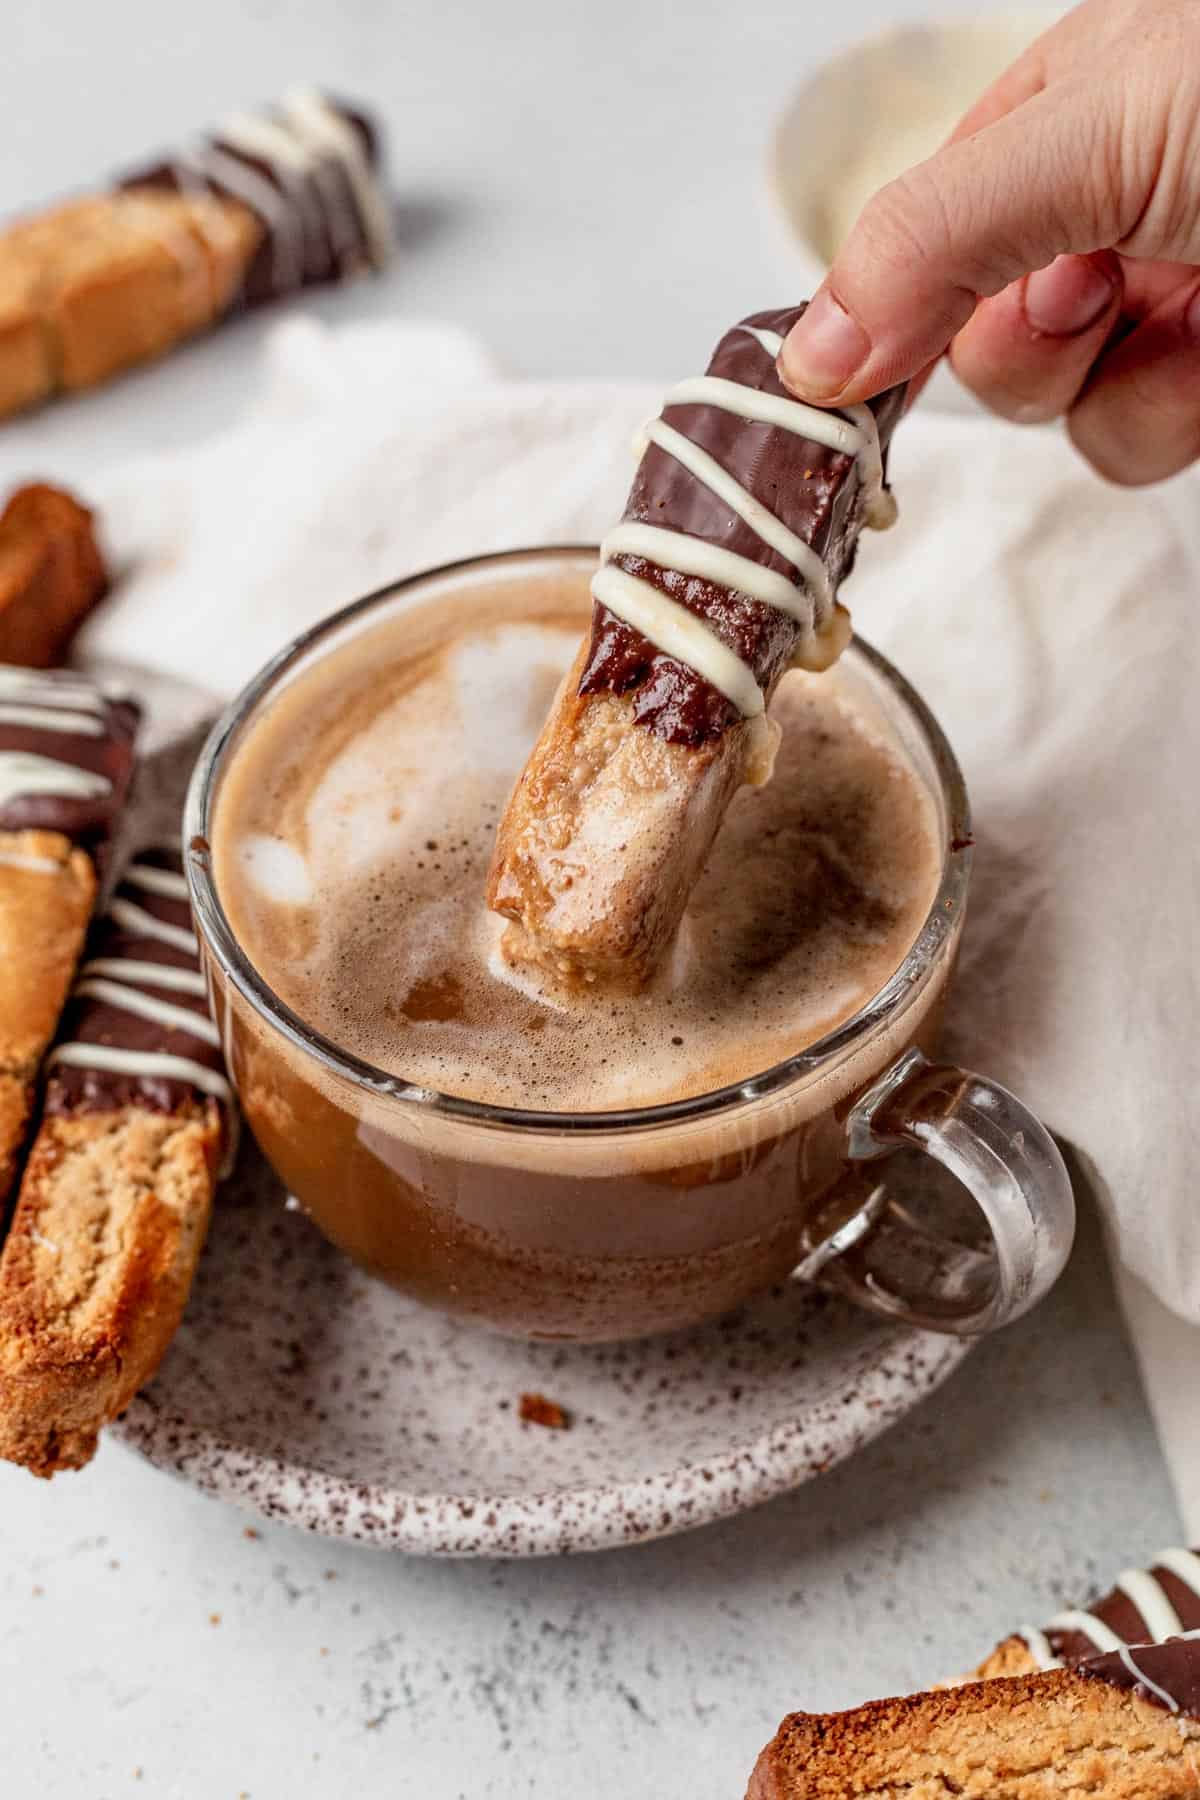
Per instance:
{"type": "Point", "coordinates": [115, 1198]}
{"type": "Point", "coordinates": [1144, 1606]}
{"type": "Point", "coordinates": [261, 207]}
{"type": "Point", "coordinates": [66, 759]}
{"type": "Point", "coordinates": [1122, 1726]}
{"type": "Point", "coordinates": [743, 519]}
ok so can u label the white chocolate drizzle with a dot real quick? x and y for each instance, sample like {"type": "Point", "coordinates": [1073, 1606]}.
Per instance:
{"type": "Point", "coordinates": [145, 987]}
{"type": "Point", "coordinates": [269, 142]}
{"type": "Point", "coordinates": [879, 507]}
{"type": "Point", "coordinates": [164, 975]}
{"type": "Point", "coordinates": [880, 511]}
{"type": "Point", "coordinates": [208, 216]}
{"type": "Point", "coordinates": [708, 470]}
{"type": "Point", "coordinates": [322, 127]}
{"type": "Point", "coordinates": [320, 177]}
{"type": "Point", "coordinates": [1038, 1646]}
{"type": "Point", "coordinates": [1089, 1626]}
{"type": "Point", "coordinates": [25, 773]}
{"type": "Point", "coordinates": [296, 164]}
{"type": "Point", "coordinates": [1184, 1565]}
{"type": "Point", "coordinates": [166, 883]}
{"type": "Point", "coordinates": [1144, 1591]}
{"type": "Point", "coordinates": [817, 648]}
{"type": "Point", "coordinates": [771, 341]}
{"type": "Point", "coordinates": [52, 718]}
{"type": "Point", "coordinates": [147, 1006]}
{"type": "Point", "coordinates": [669, 626]}
{"type": "Point", "coordinates": [133, 918]}
{"type": "Point", "coordinates": [220, 169]}
{"type": "Point", "coordinates": [292, 163]}
{"type": "Point", "coordinates": [695, 556]}
{"type": "Point", "coordinates": [664, 617]}
{"type": "Point", "coordinates": [1162, 1621]}
{"type": "Point", "coordinates": [769, 409]}
{"type": "Point", "coordinates": [143, 1062]}
{"type": "Point", "coordinates": [17, 683]}
{"type": "Point", "coordinates": [676, 632]}
{"type": "Point", "coordinates": [1161, 1694]}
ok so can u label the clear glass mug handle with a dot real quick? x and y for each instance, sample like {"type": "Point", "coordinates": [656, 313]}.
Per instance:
{"type": "Point", "coordinates": [880, 1252]}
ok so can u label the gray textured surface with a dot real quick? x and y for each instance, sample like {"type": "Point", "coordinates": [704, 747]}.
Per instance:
{"type": "Point", "coordinates": [141, 1628]}
{"type": "Point", "coordinates": [580, 179]}
{"type": "Point", "coordinates": [583, 182]}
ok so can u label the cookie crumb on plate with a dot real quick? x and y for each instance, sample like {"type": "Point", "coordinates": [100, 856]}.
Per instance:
{"type": "Point", "coordinates": [535, 1409]}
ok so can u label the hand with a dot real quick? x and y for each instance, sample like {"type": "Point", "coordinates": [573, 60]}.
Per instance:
{"type": "Point", "coordinates": [1053, 245]}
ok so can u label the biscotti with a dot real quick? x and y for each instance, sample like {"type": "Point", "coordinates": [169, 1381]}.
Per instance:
{"type": "Point", "coordinates": [260, 208]}
{"type": "Point", "coordinates": [1143, 1606]}
{"type": "Point", "coordinates": [66, 759]}
{"type": "Point", "coordinates": [743, 518]}
{"type": "Point", "coordinates": [47, 892]}
{"type": "Point", "coordinates": [1124, 1726]}
{"type": "Point", "coordinates": [115, 1199]}
{"type": "Point", "coordinates": [51, 574]}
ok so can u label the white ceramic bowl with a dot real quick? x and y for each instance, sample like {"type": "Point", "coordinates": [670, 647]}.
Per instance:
{"type": "Point", "coordinates": [874, 110]}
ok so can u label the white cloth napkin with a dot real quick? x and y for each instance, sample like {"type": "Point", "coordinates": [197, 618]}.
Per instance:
{"type": "Point", "coordinates": [1051, 622]}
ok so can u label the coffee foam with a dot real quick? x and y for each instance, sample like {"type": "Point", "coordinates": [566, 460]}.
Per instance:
{"type": "Point", "coordinates": [355, 827]}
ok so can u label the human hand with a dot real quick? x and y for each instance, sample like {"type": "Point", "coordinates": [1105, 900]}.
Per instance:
{"type": "Point", "coordinates": [1053, 244]}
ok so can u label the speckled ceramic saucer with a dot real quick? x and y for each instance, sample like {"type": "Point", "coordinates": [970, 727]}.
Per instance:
{"type": "Point", "coordinates": [307, 1391]}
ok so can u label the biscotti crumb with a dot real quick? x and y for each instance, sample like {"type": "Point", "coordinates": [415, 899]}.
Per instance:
{"type": "Point", "coordinates": [535, 1409]}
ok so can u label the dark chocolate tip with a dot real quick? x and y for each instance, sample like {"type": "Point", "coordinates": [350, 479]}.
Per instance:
{"type": "Point", "coordinates": [811, 489]}
{"type": "Point", "coordinates": [1166, 1674]}
{"type": "Point", "coordinates": [1123, 1616]}
{"type": "Point", "coordinates": [327, 238]}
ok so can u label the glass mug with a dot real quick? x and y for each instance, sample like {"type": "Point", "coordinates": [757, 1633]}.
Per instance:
{"type": "Point", "coordinates": [604, 1226]}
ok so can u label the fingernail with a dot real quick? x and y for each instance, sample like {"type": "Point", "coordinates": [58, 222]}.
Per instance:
{"type": "Point", "coordinates": [1067, 297]}
{"type": "Point", "coordinates": [823, 349]}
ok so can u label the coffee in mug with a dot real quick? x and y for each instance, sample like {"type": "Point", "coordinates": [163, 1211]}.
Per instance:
{"type": "Point", "coordinates": [555, 1163]}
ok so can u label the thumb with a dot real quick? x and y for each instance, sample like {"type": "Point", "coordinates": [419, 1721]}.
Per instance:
{"type": "Point", "coordinates": [973, 218]}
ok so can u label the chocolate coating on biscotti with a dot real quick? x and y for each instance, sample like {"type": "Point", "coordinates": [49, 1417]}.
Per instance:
{"type": "Point", "coordinates": [119, 935]}
{"type": "Point", "coordinates": [108, 755]}
{"type": "Point", "coordinates": [1120, 1612]}
{"type": "Point", "coordinates": [1166, 1674]}
{"type": "Point", "coordinates": [327, 237]}
{"type": "Point", "coordinates": [812, 489]}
